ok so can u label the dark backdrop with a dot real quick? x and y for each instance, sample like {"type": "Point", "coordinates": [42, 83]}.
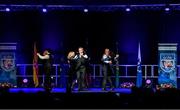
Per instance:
{"type": "Point", "coordinates": [63, 31]}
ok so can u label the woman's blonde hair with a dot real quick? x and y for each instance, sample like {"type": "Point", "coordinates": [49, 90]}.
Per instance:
{"type": "Point", "coordinates": [71, 54]}
{"type": "Point", "coordinates": [46, 52]}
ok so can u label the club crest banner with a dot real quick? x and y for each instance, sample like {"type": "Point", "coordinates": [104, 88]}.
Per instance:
{"type": "Point", "coordinates": [7, 64]}
{"type": "Point", "coordinates": [167, 64]}
{"type": "Point", "coordinates": [7, 61]}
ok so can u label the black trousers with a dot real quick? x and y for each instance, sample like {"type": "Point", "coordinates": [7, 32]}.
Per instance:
{"type": "Point", "coordinates": [81, 77]}
{"type": "Point", "coordinates": [71, 77]}
{"type": "Point", "coordinates": [107, 72]}
{"type": "Point", "coordinates": [47, 80]}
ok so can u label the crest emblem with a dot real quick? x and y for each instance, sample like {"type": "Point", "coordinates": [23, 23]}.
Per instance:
{"type": "Point", "coordinates": [167, 63]}
{"type": "Point", "coordinates": [7, 63]}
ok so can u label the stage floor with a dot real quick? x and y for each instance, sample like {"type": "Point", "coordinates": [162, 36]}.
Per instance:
{"type": "Point", "coordinates": [63, 90]}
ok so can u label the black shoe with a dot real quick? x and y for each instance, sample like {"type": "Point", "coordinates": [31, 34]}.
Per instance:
{"type": "Point", "coordinates": [48, 90]}
{"type": "Point", "coordinates": [85, 89]}
{"type": "Point", "coordinates": [103, 89]}
{"type": "Point", "coordinates": [112, 88]}
{"type": "Point", "coordinates": [79, 89]}
{"type": "Point", "coordinates": [72, 89]}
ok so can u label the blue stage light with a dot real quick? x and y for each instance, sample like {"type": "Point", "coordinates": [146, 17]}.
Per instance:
{"type": "Point", "coordinates": [148, 81]}
{"type": "Point", "coordinates": [44, 10]}
{"type": "Point", "coordinates": [25, 81]}
{"type": "Point", "coordinates": [128, 9]}
{"type": "Point", "coordinates": [85, 10]}
{"type": "Point", "coordinates": [167, 9]}
{"type": "Point", "coordinates": [7, 9]}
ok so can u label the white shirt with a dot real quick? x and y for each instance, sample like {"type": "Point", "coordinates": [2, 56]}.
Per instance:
{"type": "Point", "coordinates": [104, 57]}
{"type": "Point", "coordinates": [43, 57]}
{"type": "Point", "coordinates": [85, 56]}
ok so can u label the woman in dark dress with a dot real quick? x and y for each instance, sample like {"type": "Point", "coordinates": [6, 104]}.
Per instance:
{"type": "Point", "coordinates": [72, 71]}
{"type": "Point", "coordinates": [47, 65]}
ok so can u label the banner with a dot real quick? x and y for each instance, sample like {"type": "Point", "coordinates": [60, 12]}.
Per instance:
{"type": "Point", "coordinates": [167, 64]}
{"type": "Point", "coordinates": [8, 64]}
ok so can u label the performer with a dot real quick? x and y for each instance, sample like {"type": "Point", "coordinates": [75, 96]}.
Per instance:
{"type": "Point", "coordinates": [107, 69]}
{"type": "Point", "coordinates": [82, 59]}
{"type": "Point", "coordinates": [72, 71]}
{"type": "Point", "coordinates": [87, 75]}
{"type": "Point", "coordinates": [47, 64]}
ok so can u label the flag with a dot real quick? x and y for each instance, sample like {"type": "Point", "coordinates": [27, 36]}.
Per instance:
{"type": "Point", "coordinates": [139, 69]}
{"type": "Point", "coordinates": [35, 67]}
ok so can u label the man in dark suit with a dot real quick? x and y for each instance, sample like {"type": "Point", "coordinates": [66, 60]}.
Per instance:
{"type": "Point", "coordinates": [81, 59]}
{"type": "Point", "coordinates": [107, 61]}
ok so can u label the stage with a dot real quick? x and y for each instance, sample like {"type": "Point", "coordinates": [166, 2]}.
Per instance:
{"type": "Point", "coordinates": [63, 90]}
{"type": "Point", "coordinates": [132, 46]}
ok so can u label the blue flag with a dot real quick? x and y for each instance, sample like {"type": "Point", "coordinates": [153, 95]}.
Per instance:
{"type": "Point", "coordinates": [139, 69]}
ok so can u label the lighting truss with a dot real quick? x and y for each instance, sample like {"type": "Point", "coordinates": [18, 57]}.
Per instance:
{"type": "Point", "coordinates": [13, 7]}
